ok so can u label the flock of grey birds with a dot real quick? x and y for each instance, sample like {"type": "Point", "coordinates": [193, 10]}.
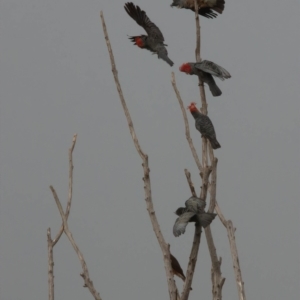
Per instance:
{"type": "Point", "coordinates": [205, 70]}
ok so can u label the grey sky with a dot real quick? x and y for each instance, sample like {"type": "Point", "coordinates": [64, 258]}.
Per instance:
{"type": "Point", "coordinates": [56, 81]}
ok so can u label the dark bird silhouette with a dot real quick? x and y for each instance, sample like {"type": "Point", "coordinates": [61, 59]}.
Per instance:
{"type": "Point", "coordinates": [177, 270]}
{"type": "Point", "coordinates": [205, 7]}
{"type": "Point", "coordinates": [205, 69]}
{"type": "Point", "coordinates": [192, 212]}
{"type": "Point", "coordinates": [154, 41]}
{"type": "Point", "coordinates": [204, 125]}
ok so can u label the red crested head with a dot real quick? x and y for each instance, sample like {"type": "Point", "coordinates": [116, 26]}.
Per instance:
{"type": "Point", "coordinates": [192, 107]}
{"type": "Point", "coordinates": [186, 68]}
{"type": "Point", "coordinates": [139, 41]}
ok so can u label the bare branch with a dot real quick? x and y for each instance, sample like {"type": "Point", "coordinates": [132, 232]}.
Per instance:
{"type": "Point", "coordinates": [198, 59]}
{"type": "Point", "coordinates": [203, 98]}
{"type": "Point", "coordinates": [115, 73]}
{"type": "Point", "coordinates": [216, 274]}
{"type": "Point", "coordinates": [205, 175]}
{"type": "Point", "coordinates": [235, 260]}
{"type": "Point", "coordinates": [189, 180]}
{"type": "Point", "coordinates": [52, 243]}
{"type": "Point", "coordinates": [61, 230]}
{"type": "Point", "coordinates": [211, 153]}
{"type": "Point", "coordinates": [187, 129]}
{"type": "Point", "coordinates": [147, 187]}
{"type": "Point", "coordinates": [198, 40]}
{"type": "Point", "coordinates": [220, 215]}
{"type": "Point", "coordinates": [85, 275]}
{"type": "Point", "coordinates": [234, 253]}
{"type": "Point", "coordinates": [192, 263]}
{"type": "Point", "coordinates": [50, 266]}
{"type": "Point", "coordinates": [213, 186]}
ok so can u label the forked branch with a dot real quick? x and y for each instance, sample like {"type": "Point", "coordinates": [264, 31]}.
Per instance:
{"type": "Point", "coordinates": [51, 243]}
{"type": "Point", "coordinates": [85, 274]}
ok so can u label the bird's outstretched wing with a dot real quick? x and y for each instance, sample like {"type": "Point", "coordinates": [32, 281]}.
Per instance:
{"type": "Point", "coordinates": [181, 223]}
{"type": "Point", "coordinates": [213, 69]}
{"type": "Point", "coordinates": [142, 19]}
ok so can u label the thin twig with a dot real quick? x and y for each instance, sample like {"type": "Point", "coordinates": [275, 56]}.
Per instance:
{"type": "Point", "coordinates": [235, 260]}
{"type": "Point", "coordinates": [216, 274]}
{"type": "Point", "coordinates": [234, 253]}
{"type": "Point", "coordinates": [213, 186]}
{"type": "Point", "coordinates": [220, 215]}
{"type": "Point", "coordinates": [115, 73]}
{"type": "Point", "coordinates": [85, 274]}
{"type": "Point", "coordinates": [186, 123]}
{"type": "Point", "coordinates": [147, 187]}
{"type": "Point", "coordinates": [61, 230]}
{"type": "Point", "coordinates": [50, 266]}
{"type": "Point", "coordinates": [198, 59]}
{"type": "Point", "coordinates": [198, 39]}
{"type": "Point", "coordinates": [189, 180]}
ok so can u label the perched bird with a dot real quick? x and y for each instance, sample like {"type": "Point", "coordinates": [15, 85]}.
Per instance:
{"type": "Point", "coordinates": [205, 69]}
{"type": "Point", "coordinates": [204, 125]}
{"type": "Point", "coordinates": [192, 212]}
{"type": "Point", "coordinates": [177, 268]}
{"type": "Point", "coordinates": [205, 7]}
{"type": "Point", "coordinates": [154, 41]}
{"type": "Point", "coordinates": [195, 204]}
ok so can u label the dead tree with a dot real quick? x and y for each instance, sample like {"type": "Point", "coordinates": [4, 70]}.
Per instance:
{"type": "Point", "coordinates": [208, 177]}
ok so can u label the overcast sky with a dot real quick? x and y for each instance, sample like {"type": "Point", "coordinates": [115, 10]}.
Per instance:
{"type": "Point", "coordinates": [56, 81]}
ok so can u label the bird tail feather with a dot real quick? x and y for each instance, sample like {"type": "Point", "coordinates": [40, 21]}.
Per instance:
{"type": "Point", "coordinates": [206, 218]}
{"type": "Point", "coordinates": [214, 143]}
{"type": "Point", "coordinates": [166, 59]}
{"type": "Point", "coordinates": [215, 90]}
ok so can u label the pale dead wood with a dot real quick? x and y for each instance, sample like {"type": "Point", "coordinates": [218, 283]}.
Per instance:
{"type": "Point", "coordinates": [71, 167]}
{"type": "Point", "coordinates": [234, 253]}
{"type": "Point", "coordinates": [85, 274]}
{"type": "Point", "coordinates": [189, 180]}
{"type": "Point", "coordinates": [186, 123]}
{"type": "Point", "coordinates": [50, 266]}
{"type": "Point", "coordinates": [211, 153]}
{"type": "Point", "coordinates": [51, 243]}
{"type": "Point", "coordinates": [220, 215]}
{"type": "Point", "coordinates": [216, 274]}
{"type": "Point", "coordinates": [147, 187]}
{"type": "Point", "coordinates": [235, 260]}
{"type": "Point", "coordinates": [198, 59]}
{"type": "Point", "coordinates": [213, 186]}
{"type": "Point", "coordinates": [198, 37]}
{"type": "Point", "coordinates": [197, 234]}
{"type": "Point", "coordinates": [217, 280]}
{"type": "Point", "coordinates": [205, 175]}
{"type": "Point", "coordinates": [192, 263]}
